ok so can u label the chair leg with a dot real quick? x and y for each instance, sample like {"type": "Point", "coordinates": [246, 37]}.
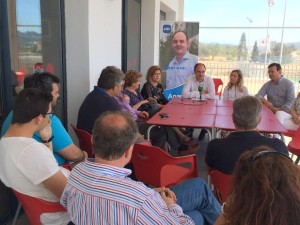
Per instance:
{"type": "Point", "coordinates": [297, 160]}
{"type": "Point", "coordinates": [17, 214]}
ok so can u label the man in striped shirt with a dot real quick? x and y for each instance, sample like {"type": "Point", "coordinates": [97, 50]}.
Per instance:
{"type": "Point", "coordinates": [99, 191]}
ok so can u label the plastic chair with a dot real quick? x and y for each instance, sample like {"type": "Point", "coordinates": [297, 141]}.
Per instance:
{"type": "Point", "coordinates": [154, 167]}
{"type": "Point", "coordinates": [294, 145]}
{"type": "Point", "coordinates": [218, 87]}
{"type": "Point", "coordinates": [85, 141]}
{"type": "Point", "coordinates": [34, 207]}
{"type": "Point", "coordinates": [221, 184]}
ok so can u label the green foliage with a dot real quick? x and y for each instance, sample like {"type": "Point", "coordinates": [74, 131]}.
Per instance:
{"type": "Point", "coordinates": [166, 54]}
{"type": "Point", "coordinates": [242, 48]}
{"type": "Point", "coordinates": [255, 53]}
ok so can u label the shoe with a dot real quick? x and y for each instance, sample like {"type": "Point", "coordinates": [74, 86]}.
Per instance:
{"type": "Point", "coordinates": [191, 149]}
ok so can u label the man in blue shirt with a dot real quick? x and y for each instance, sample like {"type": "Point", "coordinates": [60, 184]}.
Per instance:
{"type": "Point", "coordinates": [182, 65]}
{"type": "Point", "coordinates": [63, 147]}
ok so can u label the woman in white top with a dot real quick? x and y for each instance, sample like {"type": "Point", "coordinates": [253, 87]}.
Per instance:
{"type": "Point", "coordinates": [235, 87]}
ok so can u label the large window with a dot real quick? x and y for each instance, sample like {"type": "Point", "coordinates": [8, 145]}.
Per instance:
{"type": "Point", "coordinates": [248, 35]}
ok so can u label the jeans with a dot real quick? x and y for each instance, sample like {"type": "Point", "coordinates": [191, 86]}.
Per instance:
{"type": "Point", "coordinates": [197, 201]}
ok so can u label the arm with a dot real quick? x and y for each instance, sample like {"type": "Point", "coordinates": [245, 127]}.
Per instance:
{"type": "Point", "coordinates": [225, 93]}
{"type": "Point", "coordinates": [56, 183]}
{"type": "Point", "coordinates": [261, 95]}
{"type": "Point", "coordinates": [73, 153]}
{"type": "Point", "coordinates": [210, 93]}
{"type": "Point", "coordinates": [139, 104]}
{"type": "Point", "coordinates": [290, 97]}
{"type": "Point", "coordinates": [187, 90]}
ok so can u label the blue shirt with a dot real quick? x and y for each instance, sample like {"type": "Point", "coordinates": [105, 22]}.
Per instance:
{"type": "Point", "coordinates": [179, 71]}
{"type": "Point", "coordinates": [103, 194]}
{"type": "Point", "coordinates": [281, 95]}
{"type": "Point", "coordinates": [60, 141]}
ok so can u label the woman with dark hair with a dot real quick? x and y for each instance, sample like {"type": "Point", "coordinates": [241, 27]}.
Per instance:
{"type": "Point", "coordinates": [265, 190]}
{"type": "Point", "coordinates": [153, 88]}
{"type": "Point", "coordinates": [235, 87]}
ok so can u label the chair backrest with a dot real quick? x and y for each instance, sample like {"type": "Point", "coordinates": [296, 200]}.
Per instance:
{"type": "Point", "coordinates": [294, 145]}
{"type": "Point", "coordinates": [85, 141]}
{"type": "Point", "coordinates": [218, 86]}
{"type": "Point", "coordinates": [221, 184]}
{"type": "Point", "coordinates": [155, 167]}
{"type": "Point", "coordinates": [34, 207]}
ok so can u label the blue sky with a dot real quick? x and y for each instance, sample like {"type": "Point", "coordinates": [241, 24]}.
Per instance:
{"type": "Point", "coordinates": [234, 13]}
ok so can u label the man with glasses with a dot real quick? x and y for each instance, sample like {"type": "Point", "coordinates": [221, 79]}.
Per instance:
{"type": "Point", "coordinates": [63, 147]}
{"type": "Point", "coordinates": [222, 154]}
{"type": "Point", "coordinates": [26, 165]}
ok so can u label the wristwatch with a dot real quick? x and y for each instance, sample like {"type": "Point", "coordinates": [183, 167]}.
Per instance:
{"type": "Point", "coordinates": [47, 142]}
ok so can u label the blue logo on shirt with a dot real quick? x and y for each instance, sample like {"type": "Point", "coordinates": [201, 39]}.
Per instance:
{"type": "Point", "coordinates": [167, 28]}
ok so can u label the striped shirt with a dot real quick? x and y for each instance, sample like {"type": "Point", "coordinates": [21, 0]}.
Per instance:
{"type": "Point", "coordinates": [103, 194]}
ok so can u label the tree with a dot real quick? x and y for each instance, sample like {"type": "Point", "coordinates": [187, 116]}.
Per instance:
{"type": "Point", "coordinates": [242, 48]}
{"type": "Point", "coordinates": [255, 53]}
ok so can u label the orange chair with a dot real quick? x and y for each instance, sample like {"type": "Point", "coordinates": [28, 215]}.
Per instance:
{"type": "Point", "coordinates": [294, 145]}
{"type": "Point", "coordinates": [154, 167]}
{"type": "Point", "coordinates": [221, 184]}
{"type": "Point", "coordinates": [34, 207]}
{"type": "Point", "coordinates": [85, 141]}
{"type": "Point", "coordinates": [218, 87]}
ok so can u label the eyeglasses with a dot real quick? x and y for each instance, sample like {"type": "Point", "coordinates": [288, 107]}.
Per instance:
{"type": "Point", "coordinates": [51, 114]}
{"type": "Point", "coordinates": [267, 152]}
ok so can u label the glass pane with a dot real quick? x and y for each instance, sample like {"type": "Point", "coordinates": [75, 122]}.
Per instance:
{"type": "Point", "coordinates": [35, 41]}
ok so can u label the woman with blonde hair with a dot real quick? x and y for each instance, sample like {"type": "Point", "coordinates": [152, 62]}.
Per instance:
{"type": "Point", "coordinates": [235, 87]}
{"type": "Point", "coordinates": [265, 190]}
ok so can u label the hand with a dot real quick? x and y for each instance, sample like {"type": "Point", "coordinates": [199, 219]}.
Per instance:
{"type": "Point", "coordinates": [144, 101]}
{"type": "Point", "coordinates": [168, 200]}
{"type": "Point", "coordinates": [46, 132]}
{"type": "Point", "coordinates": [267, 103]}
{"type": "Point", "coordinates": [167, 193]}
{"type": "Point", "coordinates": [144, 114]}
{"type": "Point", "coordinates": [296, 120]}
{"type": "Point", "coordinates": [125, 98]}
{"type": "Point", "coordinates": [152, 100]}
{"type": "Point", "coordinates": [85, 155]}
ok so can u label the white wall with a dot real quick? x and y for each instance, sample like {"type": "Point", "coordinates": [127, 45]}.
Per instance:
{"type": "Point", "coordinates": [93, 41]}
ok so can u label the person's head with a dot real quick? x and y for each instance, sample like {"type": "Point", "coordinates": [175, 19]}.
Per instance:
{"type": "Point", "coordinates": [274, 71]}
{"type": "Point", "coordinates": [265, 189]}
{"type": "Point", "coordinates": [111, 78]}
{"type": "Point", "coordinates": [45, 81]}
{"type": "Point", "coordinates": [132, 79]}
{"type": "Point", "coordinates": [246, 112]}
{"type": "Point", "coordinates": [32, 103]}
{"type": "Point", "coordinates": [154, 74]}
{"type": "Point", "coordinates": [180, 43]}
{"type": "Point", "coordinates": [113, 134]}
{"type": "Point", "coordinates": [236, 79]}
{"type": "Point", "coordinates": [199, 70]}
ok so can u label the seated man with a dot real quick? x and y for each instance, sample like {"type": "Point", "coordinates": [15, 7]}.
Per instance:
{"type": "Point", "coordinates": [99, 191]}
{"type": "Point", "coordinates": [190, 88]}
{"type": "Point", "coordinates": [63, 147]}
{"type": "Point", "coordinates": [26, 165]}
{"type": "Point", "coordinates": [222, 154]}
{"type": "Point", "coordinates": [279, 90]}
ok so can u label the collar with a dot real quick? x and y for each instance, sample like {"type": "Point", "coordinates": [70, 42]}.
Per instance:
{"type": "Point", "coordinates": [281, 78]}
{"type": "Point", "coordinates": [104, 169]}
{"type": "Point", "coordinates": [251, 133]}
{"type": "Point", "coordinates": [100, 90]}
{"type": "Point", "coordinates": [185, 57]}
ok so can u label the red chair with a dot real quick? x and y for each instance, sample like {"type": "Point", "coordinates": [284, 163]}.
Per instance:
{"type": "Point", "coordinates": [85, 141]}
{"type": "Point", "coordinates": [218, 87]}
{"type": "Point", "coordinates": [294, 145]}
{"type": "Point", "coordinates": [34, 207]}
{"type": "Point", "coordinates": [155, 167]}
{"type": "Point", "coordinates": [221, 184]}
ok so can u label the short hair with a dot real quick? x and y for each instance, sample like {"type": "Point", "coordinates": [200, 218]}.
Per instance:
{"type": "Point", "coordinates": [151, 71]}
{"type": "Point", "coordinates": [180, 31]}
{"type": "Point", "coordinates": [30, 103]}
{"type": "Point", "coordinates": [131, 76]}
{"type": "Point", "coordinates": [265, 189]}
{"type": "Point", "coordinates": [197, 64]}
{"type": "Point", "coordinates": [42, 80]}
{"type": "Point", "coordinates": [113, 133]}
{"type": "Point", "coordinates": [110, 77]}
{"type": "Point", "coordinates": [278, 66]}
{"type": "Point", "coordinates": [246, 112]}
